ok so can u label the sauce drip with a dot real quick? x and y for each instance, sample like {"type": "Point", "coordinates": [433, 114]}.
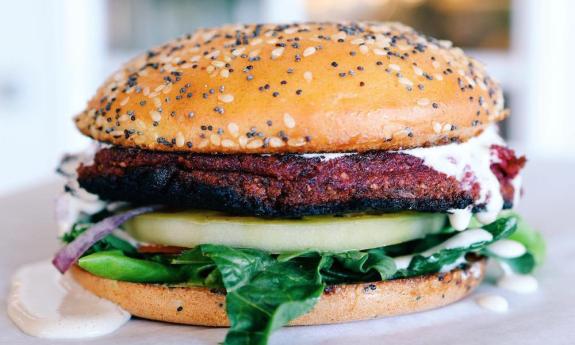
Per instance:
{"type": "Point", "coordinates": [45, 304]}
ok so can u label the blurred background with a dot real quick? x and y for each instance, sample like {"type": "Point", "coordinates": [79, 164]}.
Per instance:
{"type": "Point", "coordinates": [55, 53]}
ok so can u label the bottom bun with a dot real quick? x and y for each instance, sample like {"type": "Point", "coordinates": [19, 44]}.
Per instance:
{"type": "Point", "coordinates": [339, 303]}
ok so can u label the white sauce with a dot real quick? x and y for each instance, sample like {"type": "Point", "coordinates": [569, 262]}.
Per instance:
{"type": "Point", "coordinates": [494, 303]}
{"type": "Point", "coordinates": [520, 283]}
{"type": "Point", "coordinates": [459, 219]}
{"type": "Point", "coordinates": [460, 240]}
{"type": "Point", "coordinates": [327, 156]}
{"type": "Point", "coordinates": [469, 163]}
{"type": "Point", "coordinates": [45, 304]}
{"type": "Point", "coordinates": [507, 249]}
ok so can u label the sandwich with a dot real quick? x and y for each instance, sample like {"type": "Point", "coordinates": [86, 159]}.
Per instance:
{"type": "Point", "coordinates": [256, 176]}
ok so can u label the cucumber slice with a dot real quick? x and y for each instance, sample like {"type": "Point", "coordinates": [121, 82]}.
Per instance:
{"type": "Point", "coordinates": [324, 233]}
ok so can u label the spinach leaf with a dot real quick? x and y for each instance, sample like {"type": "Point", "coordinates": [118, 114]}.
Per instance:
{"type": "Point", "coordinates": [113, 264]}
{"type": "Point", "coordinates": [365, 262]}
{"type": "Point", "coordinates": [200, 270]}
{"type": "Point", "coordinates": [279, 294]}
{"type": "Point", "coordinates": [263, 294]}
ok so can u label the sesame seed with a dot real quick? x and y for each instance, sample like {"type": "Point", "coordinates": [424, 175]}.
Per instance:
{"type": "Point", "coordinates": [394, 67]}
{"type": "Point", "coordinates": [226, 98]}
{"type": "Point", "coordinates": [308, 76]}
{"type": "Point", "coordinates": [379, 52]}
{"type": "Point", "coordinates": [298, 92]}
{"type": "Point", "coordinates": [275, 94]}
{"type": "Point", "coordinates": [418, 71]}
{"type": "Point", "coordinates": [309, 51]}
{"type": "Point", "coordinates": [289, 120]}
{"type": "Point", "coordinates": [437, 127]}
{"type": "Point", "coordinates": [234, 129]}
{"type": "Point", "coordinates": [238, 51]}
{"type": "Point", "coordinates": [334, 64]}
{"type": "Point", "coordinates": [228, 143]}
{"type": "Point", "coordinates": [156, 116]}
{"type": "Point", "coordinates": [275, 142]}
{"type": "Point", "coordinates": [276, 53]}
{"type": "Point", "coordinates": [405, 81]}
{"type": "Point", "coordinates": [363, 49]}
{"type": "Point", "coordinates": [435, 105]}
{"type": "Point", "coordinates": [255, 144]}
{"type": "Point", "coordinates": [243, 141]}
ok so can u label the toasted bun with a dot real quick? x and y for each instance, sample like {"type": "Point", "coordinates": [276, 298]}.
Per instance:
{"type": "Point", "coordinates": [316, 87]}
{"type": "Point", "coordinates": [205, 307]}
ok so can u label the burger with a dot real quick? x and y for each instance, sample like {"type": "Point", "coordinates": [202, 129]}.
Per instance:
{"type": "Point", "coordinates": [256, 176]}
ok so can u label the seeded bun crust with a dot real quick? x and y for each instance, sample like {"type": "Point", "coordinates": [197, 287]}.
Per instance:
{"type": "Point", "coordinates": [341, 303]}
{"type": "Point", "coordinates": [315, 87]}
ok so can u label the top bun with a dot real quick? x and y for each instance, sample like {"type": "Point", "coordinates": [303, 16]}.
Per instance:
{"type": "Point", "coordinates": [313, 87]}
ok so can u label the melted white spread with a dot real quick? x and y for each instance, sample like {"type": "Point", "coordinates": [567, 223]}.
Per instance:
{"type": "Point", "coordinates": [520, 283]}
{"type": "Point", "coordinates": [507, 249]}
{"type": "Point", "coordinates": [469, 163]}
{"type": "Point", "coordinates": [494, 303]}
{"type": "Point", "coordinates": [326, 156]}
{"type": "Point", "coordinates": [463, 239]}
{"type": "Point", "coordinates": [45, 304]}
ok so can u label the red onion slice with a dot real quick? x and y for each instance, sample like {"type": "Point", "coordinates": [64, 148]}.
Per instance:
{"type": "Point", "coordinates": [70, 253]}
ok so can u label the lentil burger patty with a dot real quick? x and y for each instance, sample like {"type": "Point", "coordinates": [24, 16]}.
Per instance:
{"type": "Point", "coordinates": [280, 185]}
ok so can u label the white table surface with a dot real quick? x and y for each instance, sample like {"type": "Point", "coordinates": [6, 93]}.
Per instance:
{"type": "Point", "coordinates": [27, 234]}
